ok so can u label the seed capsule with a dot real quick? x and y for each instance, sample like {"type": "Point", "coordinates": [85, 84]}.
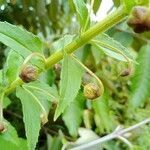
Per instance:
{"type": "Point", "coordinates": [125, 72]}
{"type": "Point", "coordinates": [139, 19]}
{"type": "Point", "coordinates": [29, 73]}
{"type": "Point", "coordinates": [92, 91]}
{"type": "Point", "coordinates": [2, 127]}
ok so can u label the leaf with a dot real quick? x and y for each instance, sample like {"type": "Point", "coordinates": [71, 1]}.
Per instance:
{"type": "Point", "coordinates": [141, 80]}
{"type": "Point", "coordinates": [70, 82]}
{"type": "Point", "coordinates": [19, 39]}
{"type": "Point", "coordinates": [102, 110]}
{"type": "Point", "coordinates": [82, 13]}
{"type": "Point", "coordinates": [10, 135]}
{"type": "Point", "coordinates": [54, 143]}
{"type": "Point", "coordinates": [1, 77]}
{"type": "Point", "coordinates": [74, 112]}
{"type": "Point", "coordinates": [112, 48]}
{"type": "Point", "coordinates": [128, 4]}
{"type": "Point", "coordinates": [62, 42]}
{"type": "Point", "coordinates": [35, 98]}
{"type": "Point", "coordinates": [6, 101]}
{"type": "Point", "coordinates": [10, 140]}
{"type": "Point", "coordinates": [12, 66]}
{"type": "Point", "coordinates": [32, 111]}
{"type": "Point", "coordinates": [96, 5]}
{"type": "Point", "coordinates": [43, 88]}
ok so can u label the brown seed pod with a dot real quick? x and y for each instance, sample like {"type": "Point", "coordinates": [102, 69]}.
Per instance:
{"type": "Point", "coordinates": [2, 127]}
{"type": "Point", "coordinates": [140, 19]}
{"type": "Point", "coordinates": [92, 91]}
{"type": "Point", "coordinates": [125, 72]}
{"type": "Point", "coordinates": [28, 73]}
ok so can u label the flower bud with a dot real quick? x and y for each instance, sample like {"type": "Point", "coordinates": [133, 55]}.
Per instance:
{"type": "Point", "coordinates": [29, 73]}
{"type": "Point", "coordinates": [2, 127]}
{"type": "Point", "coordinates": [140, 19]}
{"type": "Point", "coordinates": [92, 91]}
{"type": "Point", "coordinates": [125, 72]}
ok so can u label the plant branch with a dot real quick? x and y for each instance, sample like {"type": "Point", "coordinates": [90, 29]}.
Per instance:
{"type": "Point", "coordinates": [118, 133]}
{"type": "Point", "coordinates": [112, 19]}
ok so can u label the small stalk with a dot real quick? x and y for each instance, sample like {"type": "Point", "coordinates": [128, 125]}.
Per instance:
{"type": "Point", "coordinates": [1, 113]}
{"type": "Point", "coordinates": [91, 73]}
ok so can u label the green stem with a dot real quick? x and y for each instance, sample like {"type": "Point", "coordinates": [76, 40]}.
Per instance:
{"type": "Point", "coordinates": [1, 108]}
{"type": "Point", "coordinates": [91, 73]}
{"type": "Point", "coordinates": [98, 28]}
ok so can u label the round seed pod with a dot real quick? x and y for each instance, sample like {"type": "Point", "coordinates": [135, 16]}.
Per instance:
{"type": "Point", "coordinates": [29, 73]}
{"type": "Point", "coordinates": [140, 19]}
{"type": "Point", "coordinates": [92, 91]}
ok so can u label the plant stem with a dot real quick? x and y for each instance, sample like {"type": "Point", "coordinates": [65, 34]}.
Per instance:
{"type": "Point", "coordinates": [98, 28]}
{"type": "Point", "coordinates": [112, 19]}
{"type": "Point", "coordinates": [92, 74]}
{"type": "Point", "coordinates": [116, 134]}
{"type": "Point", "coordinates": [1, 107]}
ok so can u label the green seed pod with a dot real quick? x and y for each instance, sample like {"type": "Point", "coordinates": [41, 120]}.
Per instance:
{"type": "Point", "coordinates": [29, 73]}
{"type": "Point", "coordinates": [140, 19]}
{"type": "Point", "coordinates": [92, 91]}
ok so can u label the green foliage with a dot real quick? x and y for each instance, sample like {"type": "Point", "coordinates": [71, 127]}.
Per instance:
{"type": "Point", "coordinates": [54, 142]}
{"type": "Point", "coordinates": [96, 5]}
{"type": "Point", "coordinates": [19, 40]}
{"type": "Point", "coordinates": [128, 4]}
{"type": "Point", "coordinates": [34, 98]}
{"type": "Point", "coordinates": [70, 82]}
{"type": "Point", "coordinates": [58, 92]}
{"type": "Point", "coordinates": [141, 80]}
{"type": "Point", "coordinates": [12, 67]}
{"type": "Point", "coordinates": [10, 140]}
{"type": "Point", "coordinates": [32, 126]}
{"type": "Point", "coordinates": [103, 117]}
{"type": "Point", "coordinates": [73, 115]}
{"type": "Point", "coordinates": [82, 14]}
{"type": "Point", "coordinates": [112, 48]}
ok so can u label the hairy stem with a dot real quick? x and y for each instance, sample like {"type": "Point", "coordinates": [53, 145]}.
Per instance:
{"type": "Point", "coordinates": [82, 39]}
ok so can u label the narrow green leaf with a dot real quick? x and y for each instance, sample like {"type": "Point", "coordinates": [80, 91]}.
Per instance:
{"type": "Point", "coordinates": [82, 13]}
{"type": "Point", "coordinates": [128, 4]}
{"type": "Point", "coordinates": [70, 82]}
{"type": "Point", "coordinates": [12, 67]}
{"type": "Point", "coordinates": [32, 111]}
{"type": "Point", "coordinates": [54, 143]}
{"type": "Point", "coordinates": [19, 39]}
{"type": "Point", "coordinates": [141, 80]}
{"type": "Point", "coordinates": [74, 113]}
{"type": "Point", "coordinates": [112, 48]}
{"type": "Point", "coordinates": [96, 5]}
{"type": "Point", "coordinates": [102, 110]}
